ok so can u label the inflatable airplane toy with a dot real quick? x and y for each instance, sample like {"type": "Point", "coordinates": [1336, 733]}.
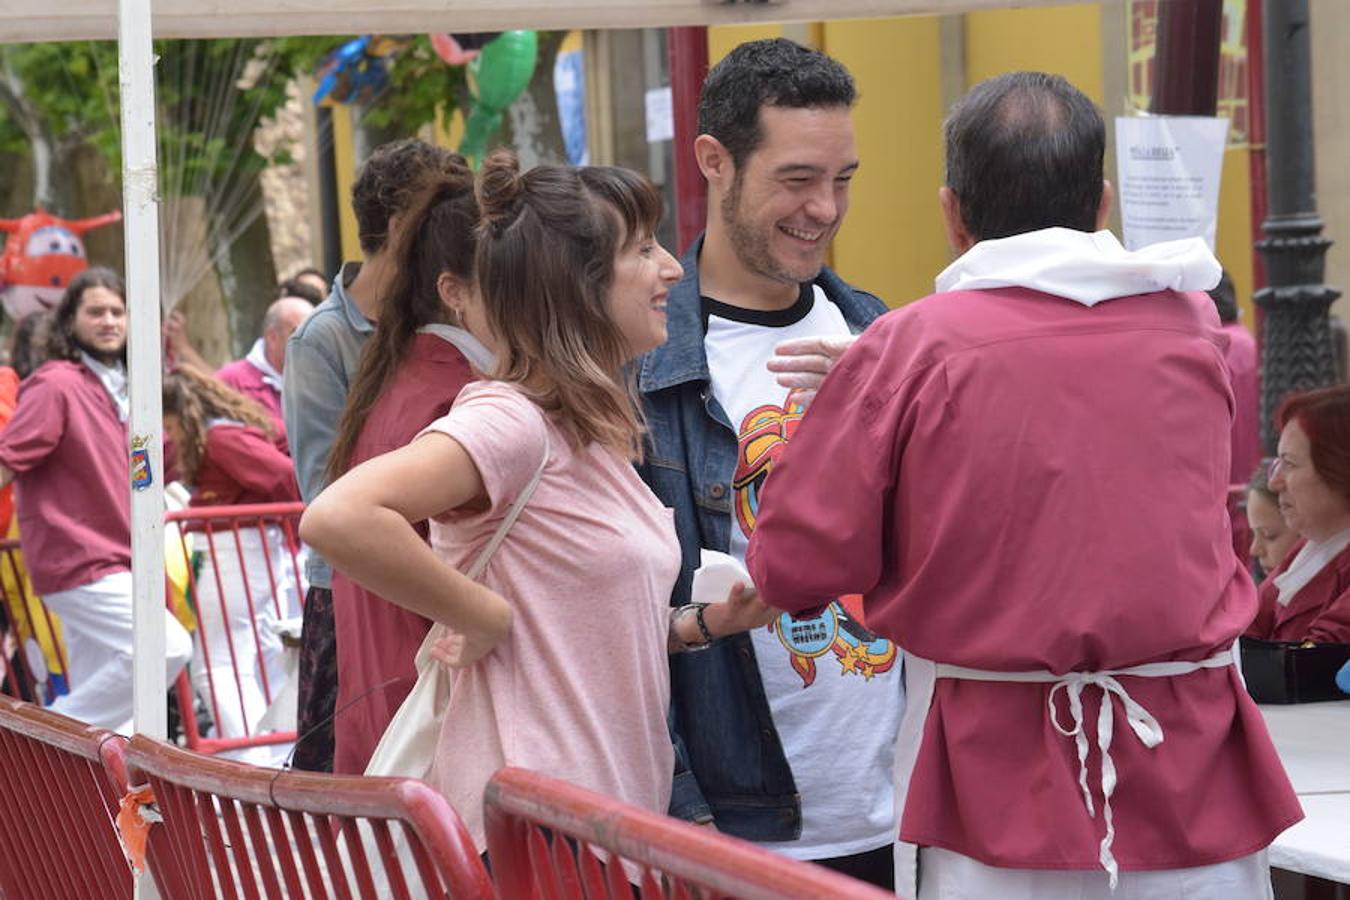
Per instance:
{"type": "Point", "coordinates": [41, 256]}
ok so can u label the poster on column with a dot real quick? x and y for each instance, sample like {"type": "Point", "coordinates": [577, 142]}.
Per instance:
{"type": "Point", "coordinates": [1168, 170]}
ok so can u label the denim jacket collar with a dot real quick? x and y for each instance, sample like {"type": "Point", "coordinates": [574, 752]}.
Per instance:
{"type": "Point", "coordinates": [682, 357]}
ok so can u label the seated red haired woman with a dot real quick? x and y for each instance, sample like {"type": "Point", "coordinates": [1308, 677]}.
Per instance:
{"type": "Point", "coordinates": [1308, 596]}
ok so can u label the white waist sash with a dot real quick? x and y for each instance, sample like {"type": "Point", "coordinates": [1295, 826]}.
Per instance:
{"type": "Point", "coordinates": [1142, 722]}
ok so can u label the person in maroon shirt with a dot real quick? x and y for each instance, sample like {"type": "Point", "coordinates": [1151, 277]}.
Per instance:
{"type": "Point", "coordinates": [411, 372]}
{"type": "Point", "coordinates": [66, 450]}
{"type": "Point", "coordinates": [1244, 365]}
{"type": "Point", "coordinates": [1075, 725]}
{"type": "Point", "coordinates": [1307, 598]}
{"type": "Point", "coordinates": [258, 375]}
{"type": "Point", "coordinates": [227, 449]}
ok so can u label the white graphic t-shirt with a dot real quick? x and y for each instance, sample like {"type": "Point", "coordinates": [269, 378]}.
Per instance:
{"type": "Point", "coordinates": [835, 689]}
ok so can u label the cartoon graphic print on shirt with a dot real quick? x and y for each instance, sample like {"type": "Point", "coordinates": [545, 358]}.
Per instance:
{"type": "Point", "coordinates": [823, 679]}
{"type": "Point", "coordinates": [763, 434]}
{"type": "Point", "coordinates": [839, 630]}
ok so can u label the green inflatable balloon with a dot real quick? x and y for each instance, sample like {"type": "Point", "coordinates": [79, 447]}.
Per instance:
{"type": "Point", "coordinates": [497, 76]}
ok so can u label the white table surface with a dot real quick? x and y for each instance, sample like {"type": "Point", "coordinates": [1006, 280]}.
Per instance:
{"type": "Point", "coordinates": [1313, 740]}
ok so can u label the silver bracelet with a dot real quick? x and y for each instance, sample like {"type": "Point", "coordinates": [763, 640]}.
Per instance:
{"type": "Point", "coordinates": [695, 610]}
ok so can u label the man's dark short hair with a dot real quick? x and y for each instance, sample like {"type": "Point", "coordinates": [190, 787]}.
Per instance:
{"type": "Point", "coordinates": [1224, 296]}
{"type": "Point", "coordinates": [1024, 152]}
{"type": "Point", "coordinates": [775, 72]}
{"type": "Point", "coordinates": [294, 287]}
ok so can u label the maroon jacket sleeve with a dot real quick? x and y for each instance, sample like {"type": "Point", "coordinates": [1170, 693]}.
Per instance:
{"type": "Point", "coordinates": [1264, 623]}
{"type": "Point", "coordinates": [1333, 624]}
{"type": "Point", "coordinates": [823, 516]}
{"type": "Point", "coordinates": [253, 462]}
{"type": "Point", "coordinates": [38, 424]}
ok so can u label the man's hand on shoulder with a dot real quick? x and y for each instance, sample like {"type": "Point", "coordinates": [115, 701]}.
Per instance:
{"type": "Point", "coordinates": [801, 364]}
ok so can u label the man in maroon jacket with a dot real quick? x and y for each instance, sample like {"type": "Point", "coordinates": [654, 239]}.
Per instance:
{"type": "Point", "coordinates": [258, 375]}
{"type": "Point", "coordinates": [66, 451]}
{"type": "Point", "coordinates": [1075, 724]}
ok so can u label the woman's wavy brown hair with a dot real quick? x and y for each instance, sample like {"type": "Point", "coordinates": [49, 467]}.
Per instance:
{"type": "Point", "coordinates": [196, 397]}
{"type": "Point", "coordinates": [546, 251]}
{"type": "Point", "coordinates": [435, 236]}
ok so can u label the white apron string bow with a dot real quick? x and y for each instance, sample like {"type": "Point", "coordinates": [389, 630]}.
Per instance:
{"type": "Point", "coordinates": [1141, 721]}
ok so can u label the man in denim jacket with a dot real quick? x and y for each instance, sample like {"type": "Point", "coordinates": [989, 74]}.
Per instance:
{"type": "Point", "coordinates": [785, 733]}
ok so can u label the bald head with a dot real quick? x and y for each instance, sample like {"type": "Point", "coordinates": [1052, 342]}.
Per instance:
{"type": "Point", "coordinates": [1024, 152]}
{"type": "Point", "coordinates": [280, 320]}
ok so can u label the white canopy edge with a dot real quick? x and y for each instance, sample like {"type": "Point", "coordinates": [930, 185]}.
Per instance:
{"type": "Point", "coordinates": [71, 20]}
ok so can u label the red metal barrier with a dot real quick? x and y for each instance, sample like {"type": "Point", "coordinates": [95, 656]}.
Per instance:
{"type": "Point", "coordinates": [245, 581]}
{"type": "Point", "coordinates": [59, 791]}
{"type": "Point", "coordinates": [250, 579]}
{"type": "Point", "coordinates": [608, 841]}
{"type": "Point", "coordinates": [232, 829]}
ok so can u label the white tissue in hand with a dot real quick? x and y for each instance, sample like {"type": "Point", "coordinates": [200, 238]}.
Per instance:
{"type": "Point", "coordinates": [716, 575]}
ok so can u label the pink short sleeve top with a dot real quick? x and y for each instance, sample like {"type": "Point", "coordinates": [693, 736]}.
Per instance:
{"type": "Point", "coordinates": [580, 688]}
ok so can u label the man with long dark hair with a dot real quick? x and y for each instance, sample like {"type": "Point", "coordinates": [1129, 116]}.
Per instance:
{"type": "Point", "coordinates": [66, 449]}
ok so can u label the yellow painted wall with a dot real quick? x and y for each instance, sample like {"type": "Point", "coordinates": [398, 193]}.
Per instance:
{"type": "Point", "coordinates": [721, 38]}
{"type": "Point", "coordinates": [448, 133]}
{"type": "Point", "coordinates": [1233, 240]}
{"type": "Point", "coordinates": [1063, 40]}
{"type": "Point", "coordinates": [892, 242]}
{"type": "Point", "coordinates": [344, 164]}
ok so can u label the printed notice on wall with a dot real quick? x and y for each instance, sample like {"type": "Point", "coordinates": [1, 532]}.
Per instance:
{"type": "Point", "coordinates": [660, 115]}
{"type": "Point", "coordinates": [1168, 177]}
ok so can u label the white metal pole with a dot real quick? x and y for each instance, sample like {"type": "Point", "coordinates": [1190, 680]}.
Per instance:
{"type": "Point", "coordinates": [141, 202]}
{"type": "Point", "coordinates": [140, 176]}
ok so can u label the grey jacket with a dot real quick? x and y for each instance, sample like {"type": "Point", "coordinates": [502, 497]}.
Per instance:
{"type": "Point", "coordinates": [322, 357]}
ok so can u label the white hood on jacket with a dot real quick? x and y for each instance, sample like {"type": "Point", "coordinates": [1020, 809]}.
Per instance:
{"type": "Point", "coordinates": [1080, 266]}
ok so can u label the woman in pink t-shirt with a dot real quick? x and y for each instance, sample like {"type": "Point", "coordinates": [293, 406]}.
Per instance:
{"type": "Point", "coordinates": [560, 651]}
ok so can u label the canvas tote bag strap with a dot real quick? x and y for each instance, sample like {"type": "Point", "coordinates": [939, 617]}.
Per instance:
{"type": "Point", "coordinates": [423, 660]}
{"type": "Point", "coordinates": [512, 514]}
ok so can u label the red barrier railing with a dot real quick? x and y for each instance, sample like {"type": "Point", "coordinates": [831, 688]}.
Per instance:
{"type": "Point", "coordinates": [245, 581]}
{"type": "Point", "coordinates": [230, 829]}
{"type": "Point", "coordinates": [60, 783]}
{"type": "Point", "coordinates": [547, 838]}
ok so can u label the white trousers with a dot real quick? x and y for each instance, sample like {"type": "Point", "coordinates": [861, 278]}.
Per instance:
{"type": "Point", "coordinates": [238, 665]}
{"type": "Point", "coordinates": [97, 625]}
{"type": "Point", "coordinates": [944, 875]}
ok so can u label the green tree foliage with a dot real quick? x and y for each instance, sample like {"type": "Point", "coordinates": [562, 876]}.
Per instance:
{"type": "Point", "coordinates": [70, 90]}
{"type": "Point", "coordinates": [54, 98]}
{"type": "Point", "coordinates": [210, 96]}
